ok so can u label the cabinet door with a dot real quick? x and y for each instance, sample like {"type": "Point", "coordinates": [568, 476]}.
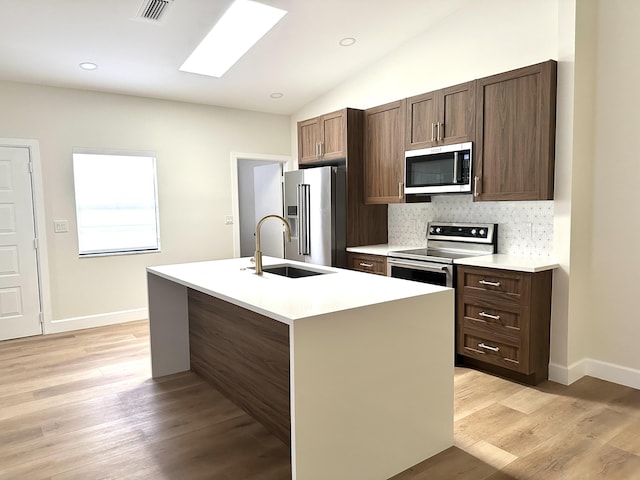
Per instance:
{"type": "Point", "coordinates": [333, 134]}
{"type": "Point", "coordinates": [515, 122]}
{"type": "Point", "coordinates": [442, 117]}
{"type": "Point", "coordinates": [308, 140]}
{"type": "Point", "coordinates": [384, 153]}
{"type": "Point", "coordinates": [422, 111]}
{"type": "Point", "coordinates": [457, 114]}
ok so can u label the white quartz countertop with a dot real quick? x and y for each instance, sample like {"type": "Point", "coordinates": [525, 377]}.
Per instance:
{"type": "Point", "coordinates": [380, 249]}
{"type": "Point", "coordinates": [510, 262]}
{"type": "Point", "coordinates": [289, 299]}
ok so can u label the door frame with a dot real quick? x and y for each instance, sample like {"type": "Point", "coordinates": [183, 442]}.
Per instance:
{"type": "Point", "coordinates": [39, 217]}
{"type": "Point", "coordinates": [285, 160]}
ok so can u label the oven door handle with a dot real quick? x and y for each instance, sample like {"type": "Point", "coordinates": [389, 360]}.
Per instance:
{"type": "Point", "coordinates": [431, 267]}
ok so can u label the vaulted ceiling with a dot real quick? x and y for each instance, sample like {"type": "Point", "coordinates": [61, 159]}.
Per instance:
{"type": "Point", "coordinates": [44, 41]}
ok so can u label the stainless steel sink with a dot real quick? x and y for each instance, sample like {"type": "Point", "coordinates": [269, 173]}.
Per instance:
{"type": "Point", "coordinates": [292, 271]}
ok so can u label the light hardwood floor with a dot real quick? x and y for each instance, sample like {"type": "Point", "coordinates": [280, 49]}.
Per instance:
{"type": "Point", "coordinates": [82, 405]}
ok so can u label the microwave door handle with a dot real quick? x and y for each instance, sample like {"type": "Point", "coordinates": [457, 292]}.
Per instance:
{"type": "Point", "coordinates": [455, 167]}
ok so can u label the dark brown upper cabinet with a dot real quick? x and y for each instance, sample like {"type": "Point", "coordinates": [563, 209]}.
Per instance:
{"type": "Point", "coordinates": [323, 138]}
{"type": "Point", "coordinates": [442, 117]}
{"type": "Point", "coordinates": [342, 137]}
{"type": "Point", "coordinates": [515, 134]}
{"type": "Point", "coordinates": [384, 153]}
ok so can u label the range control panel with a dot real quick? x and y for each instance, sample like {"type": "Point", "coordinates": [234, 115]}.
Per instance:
{"type": "Point", "coordinates": [466, 232]}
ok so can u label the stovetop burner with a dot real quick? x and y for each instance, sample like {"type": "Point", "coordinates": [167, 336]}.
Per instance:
{"type": "Point", "coordinates": [447, 242]}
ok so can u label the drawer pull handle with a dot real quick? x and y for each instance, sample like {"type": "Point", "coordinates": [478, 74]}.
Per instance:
{"type": "Point", "coordinates": [492, 284]}
{"type": "Point", "coordinates": [366, 265]}
{"type": "Point", "coordinates": [488, 315]}
{"type": "Point", "coordinates": [489, 347]}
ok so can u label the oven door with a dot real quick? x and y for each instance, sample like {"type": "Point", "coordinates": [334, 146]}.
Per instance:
{"type": "Point", "coordinates": [419, 271]}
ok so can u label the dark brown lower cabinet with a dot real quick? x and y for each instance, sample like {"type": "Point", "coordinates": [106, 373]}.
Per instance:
{"type": "Point", "coordinates": [503, 322]}
{"type": "Point", "coordinates": [368, 263]}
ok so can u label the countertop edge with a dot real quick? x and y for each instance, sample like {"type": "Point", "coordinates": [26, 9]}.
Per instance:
{"type": "Point", "coordinates": [234, 301]}
{"type": "Point", "coordinates": [289, 319]}
{"type": "Point", "coordinates": [382, 249]}
{"type": "Point", "coordinates": [510, 262]}
{"type": "Point", "coordinates": [500, 261]}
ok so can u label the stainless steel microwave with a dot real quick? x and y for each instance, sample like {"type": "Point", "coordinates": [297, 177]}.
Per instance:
{"type": "Point", "coordinates": [445, 169]}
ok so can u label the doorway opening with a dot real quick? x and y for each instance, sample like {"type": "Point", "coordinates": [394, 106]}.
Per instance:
{"type": "Point", "coordinates": [257, 185]}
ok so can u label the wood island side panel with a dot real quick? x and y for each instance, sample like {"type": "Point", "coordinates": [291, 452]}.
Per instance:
{"type": "Point", "coordinates": [245, 355]}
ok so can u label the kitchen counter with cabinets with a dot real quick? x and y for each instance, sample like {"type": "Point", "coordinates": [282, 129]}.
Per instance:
{"type": "Point", "coordinates": [504, 314]}
{"type": "Point", "coordinates": [339, 366]}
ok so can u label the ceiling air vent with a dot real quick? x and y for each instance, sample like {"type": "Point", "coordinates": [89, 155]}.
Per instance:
{"type": "Point", "coordinates": [153, 10]}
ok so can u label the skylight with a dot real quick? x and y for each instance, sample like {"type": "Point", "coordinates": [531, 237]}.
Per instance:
{"type": "Point", "coordinates": [242, 25]}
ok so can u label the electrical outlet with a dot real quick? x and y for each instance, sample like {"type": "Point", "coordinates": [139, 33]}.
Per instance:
{"type": "Point", "coordinates": [60, 226]}
{"type": "Point", "coordinates": [228, 220]}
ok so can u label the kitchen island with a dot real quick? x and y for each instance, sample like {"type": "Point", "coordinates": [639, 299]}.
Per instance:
{"type": "Point", "coordinates": [353, 371]}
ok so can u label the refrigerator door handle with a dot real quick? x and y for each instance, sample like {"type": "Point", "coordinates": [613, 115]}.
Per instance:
{"type": "Point", "coordinates": [304, 239]}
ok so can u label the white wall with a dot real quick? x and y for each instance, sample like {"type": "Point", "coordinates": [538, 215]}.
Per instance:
{"type": "Point", "coordinates": [193, 146]}
{"type": "Point", "coordinates": [615, 258]}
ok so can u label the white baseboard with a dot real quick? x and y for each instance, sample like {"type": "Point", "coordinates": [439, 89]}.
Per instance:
{"type": "Point", "coordinates": [99, 320]}
{"type": "Point", "coordinates": [610, 372]}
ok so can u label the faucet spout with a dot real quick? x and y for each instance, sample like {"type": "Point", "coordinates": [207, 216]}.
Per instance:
{"type": "Point", "coordinates": [258, 253]}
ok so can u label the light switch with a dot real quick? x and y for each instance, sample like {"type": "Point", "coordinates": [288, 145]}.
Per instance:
{"type": "Point", "coordinates": [60, 226]}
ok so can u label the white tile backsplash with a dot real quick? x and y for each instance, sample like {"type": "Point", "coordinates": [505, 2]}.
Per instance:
{"type": "Point", "coordinates": [524, 228]}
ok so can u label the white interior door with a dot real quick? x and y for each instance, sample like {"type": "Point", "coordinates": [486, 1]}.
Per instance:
{"type": "Point", "coordinates": [19, 290]}
{"type": "Point", "coordinates": [267, 181]}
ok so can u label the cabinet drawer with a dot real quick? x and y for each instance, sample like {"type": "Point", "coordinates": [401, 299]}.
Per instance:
{"type": "Point", "coordinates": [495, 284]}
{"type": "Point", "coordinates": [487, 348]}
{"type": "Point", "coordinates": [368, 263]}
{"type": "Point", "coordinates": [491, 317]}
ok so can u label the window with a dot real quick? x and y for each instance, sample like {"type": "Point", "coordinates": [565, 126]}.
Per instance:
{"type": "Point", "coordinates": [116, 203]}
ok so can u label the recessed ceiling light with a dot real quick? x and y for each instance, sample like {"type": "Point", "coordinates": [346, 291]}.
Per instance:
{"type": "Point", "coordinates": [88, 66]}
{"type": "Point", "coordinates": [242, 25]}
{"type": "Point", "coordinates": [347, 41]}
{"type": "Point", "coordinates": [276, 95]}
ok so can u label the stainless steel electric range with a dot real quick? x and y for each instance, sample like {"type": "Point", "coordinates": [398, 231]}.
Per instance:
{"type": "Point", "coordinates": [446, 242]}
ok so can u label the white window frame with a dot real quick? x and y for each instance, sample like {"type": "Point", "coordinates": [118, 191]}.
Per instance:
{"type": "Point", "coordinates": [115, 250]}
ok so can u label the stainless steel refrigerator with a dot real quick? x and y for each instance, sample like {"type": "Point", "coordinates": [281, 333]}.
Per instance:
{"type": "Point", "coordinates": [315, 207]}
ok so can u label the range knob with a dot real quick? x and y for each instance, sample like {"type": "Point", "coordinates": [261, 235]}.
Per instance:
{"type": "Point", "coordinates": [473, 231]}
{"type": "Point", "coordinates": [438, 230]}
{"type": "Point", "coordinates": [482, 232]}
{"type": "Point", "coordinates": [431, 229]}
